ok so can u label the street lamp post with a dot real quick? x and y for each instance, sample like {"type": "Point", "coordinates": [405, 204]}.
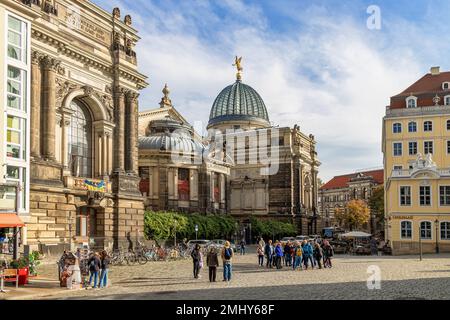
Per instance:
{"type": "Point", "coordinates": [196, 230]}
{"type": "Point", "coordinates": [420, 243]}
{"type": "Point", "coordinates": [175, 233]}
{"type": "Point", "coordinates": [437, 236]}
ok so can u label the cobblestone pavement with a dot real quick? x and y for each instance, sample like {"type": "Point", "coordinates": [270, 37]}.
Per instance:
{"type": "Point", "coordinates": [402, 278]}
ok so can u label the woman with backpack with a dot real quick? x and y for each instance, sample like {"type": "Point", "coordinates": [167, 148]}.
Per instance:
{"type": "Point", "coordinates": [196, 258]}
{"type": "Point", "coordinates": [94, 267]}
{"type": "Point", "coordinates": [307, 254]}
{"type": "Point", "coordinates": [298, 253]}
{"type": "Point", "coordinates": [227, 256]}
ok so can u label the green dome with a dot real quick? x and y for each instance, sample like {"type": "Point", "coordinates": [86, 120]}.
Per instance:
{"type": "Point", "coordinates": [238, 102]}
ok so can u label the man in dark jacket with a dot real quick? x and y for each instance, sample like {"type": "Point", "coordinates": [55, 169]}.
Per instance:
{"type": "Point", "coordinates": [196, 257]}
{"type": "Point", "coordinates": [212, 261]}
{"type": "Point", "coordinates": [105, 260]}
{"type": "Point", "coordinates": [268, 250]}
{"type": "Point", "coordinates": [94, 267]}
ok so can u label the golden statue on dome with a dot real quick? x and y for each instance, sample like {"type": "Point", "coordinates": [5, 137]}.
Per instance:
{"type": "Point", "coordinates": [238, 65]}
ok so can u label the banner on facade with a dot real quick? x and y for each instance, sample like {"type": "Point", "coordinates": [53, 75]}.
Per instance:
{"type": "Point", "coordinates": [95, 186]}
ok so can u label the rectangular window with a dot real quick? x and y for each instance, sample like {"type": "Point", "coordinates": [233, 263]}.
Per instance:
{"type": "Point", "coordinates": [428, 147]}
{"type": "Point", "coordinates": [397, 168]}
{"type": "Point", "coordinates": [444, 195]}
{"type": "Point", "coordinates": [448, 146]}
{"type": "Point", "coordinates": [445, 230]}
{"type": "Point", "coordinates": [425, 195]}
{"type": "Point", "coordinates": [15, 137]}
{"type": "Point", "coordinates": [397, 148]}
{"type": "Point", "coordinates": [405, 196]}
{"type": "Point", "coordinates": [406, 230]}
{"type": "Point", "coordinates": [16, 66]}
{"type": "Point", "coordinates": [17, 39]}
{"type": "Point", "coordinates": [425, 230]}
{"type": "Point", "coordinates": [412, 146]}
{"type": "Point", "coordinates": [428, 126]}
{"type": "Point", "coordinates": [183, 184]}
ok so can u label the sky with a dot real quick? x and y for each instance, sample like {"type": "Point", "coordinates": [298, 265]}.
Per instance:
{"type": "Point", "coordinates": [315, 63]}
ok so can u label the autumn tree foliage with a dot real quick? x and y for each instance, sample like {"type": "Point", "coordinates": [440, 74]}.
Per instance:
{"type": "Point", "coordinates": [357, 213]}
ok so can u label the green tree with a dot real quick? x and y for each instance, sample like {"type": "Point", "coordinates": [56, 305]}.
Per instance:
{"type": "Point", "coordinates": [376, 203]}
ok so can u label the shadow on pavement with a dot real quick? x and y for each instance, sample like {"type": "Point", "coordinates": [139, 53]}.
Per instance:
{"type": "Point", "coordinates": [420, 289]}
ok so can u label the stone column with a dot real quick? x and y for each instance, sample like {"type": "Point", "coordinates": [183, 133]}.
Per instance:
{"type": "Point", "coordinates": [131, 152]}
{"type": "Point", "coordinates": [49, 106]}
{"type": "Point", "coordinates": [119, 136]}
{"type": "Point", "coordinates": [35, 112]}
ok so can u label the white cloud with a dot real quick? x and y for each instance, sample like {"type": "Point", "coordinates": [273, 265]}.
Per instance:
{"type": "Point", "coordinates": [332, 76]}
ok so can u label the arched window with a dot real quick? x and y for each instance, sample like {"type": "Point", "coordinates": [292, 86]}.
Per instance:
{"type": "Point", "coordinates": [411, 102]}
{"type": "Point", "coordinates": [397, 127]}
{"type": "Point", "coordinates": [412, 126]}
{"type": "Point", "coordinates": [80, 141]}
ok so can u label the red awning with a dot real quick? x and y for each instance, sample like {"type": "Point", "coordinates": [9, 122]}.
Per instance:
{"type": "Point", "coordinates": [10, 220]}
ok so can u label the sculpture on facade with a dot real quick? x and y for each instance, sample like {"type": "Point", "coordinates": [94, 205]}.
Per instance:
{"type": "Point", "coordinates": [116, 13]}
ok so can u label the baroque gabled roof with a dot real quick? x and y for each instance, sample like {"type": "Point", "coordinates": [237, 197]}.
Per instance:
{"type": "Point", "coordinates": [339, 182]}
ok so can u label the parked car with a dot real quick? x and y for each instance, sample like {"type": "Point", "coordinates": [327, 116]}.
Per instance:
{"type": "Point", "coordinates": [286, 239]}
{"type": "Point", "coordinates": [301, 238]}
{"type": "Point", "coordinates": [220, 243]}
{"type": "Point", "coordinates": [203, 243]}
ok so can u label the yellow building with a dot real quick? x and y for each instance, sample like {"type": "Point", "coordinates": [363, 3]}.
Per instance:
{"type": "Point", "coordinates": [416, 147]}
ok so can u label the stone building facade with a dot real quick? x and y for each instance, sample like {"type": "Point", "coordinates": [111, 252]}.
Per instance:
{"type": "Point", "coordinates": [336, 193]}
{"type": "Point", "coordinates": [275, 168]}
{"type": "Point", "coordinates": [83, 122]}
{"type": "Point", "coordinates": [176, 168]}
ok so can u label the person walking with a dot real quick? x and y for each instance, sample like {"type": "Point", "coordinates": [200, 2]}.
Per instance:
{"type": "Point", "coordinates": [105, 260]}
{"type": "Point", "coordinates": [227, 257]}
{"type": "Point", "coordinates": [307, 254]}
{"type": "Point", "coordinates": [328, 252]}
{"type": "Point", "coordinates": [298, 253]}
{"type": "Point", "coordinates": [260, 254]}
{"type": "Point", "coordinates": [374, 247]}
{"type": "Point", "coordinates": [196, 258]}
{"type": "Point", "coordinates": [94, 267]}
{"type": "Point", "coordinates": [318, 254]}
{"type": "Point", "coordinates": [278, 254]}
{"type": "Point", "coordinates": [268, 250]}
{"type": "Point", "coordinates": [287, 254]}
{"type": "Point", "coordinates": [262, 242]}
{"type": "Point", "coordinates": [212, 261]}
{"type": "Point", "coordinates": [242, 247]}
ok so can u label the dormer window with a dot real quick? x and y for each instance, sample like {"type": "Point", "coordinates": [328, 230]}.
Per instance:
{"type": "Point", "coordinates": [446, 86]}
{"type": "Point", "coordinates": [411, 102]}
{"type": "Point", "coordinates": [447, 100]}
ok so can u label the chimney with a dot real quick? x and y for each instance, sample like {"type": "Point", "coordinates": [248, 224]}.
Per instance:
{"type": "Point", "coordinates": [435, 71]}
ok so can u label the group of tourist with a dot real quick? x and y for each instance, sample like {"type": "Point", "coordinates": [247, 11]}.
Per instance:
{"type": "Point", "coordinates": [298, 255]}
{"type": "Point", "coordinates": [212, 261]}
{"type": "Point", "coordinates": [75, 268]}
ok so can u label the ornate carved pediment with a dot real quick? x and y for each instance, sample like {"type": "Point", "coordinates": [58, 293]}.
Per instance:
{"type": "Point", "coordinates": [63, 87]}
